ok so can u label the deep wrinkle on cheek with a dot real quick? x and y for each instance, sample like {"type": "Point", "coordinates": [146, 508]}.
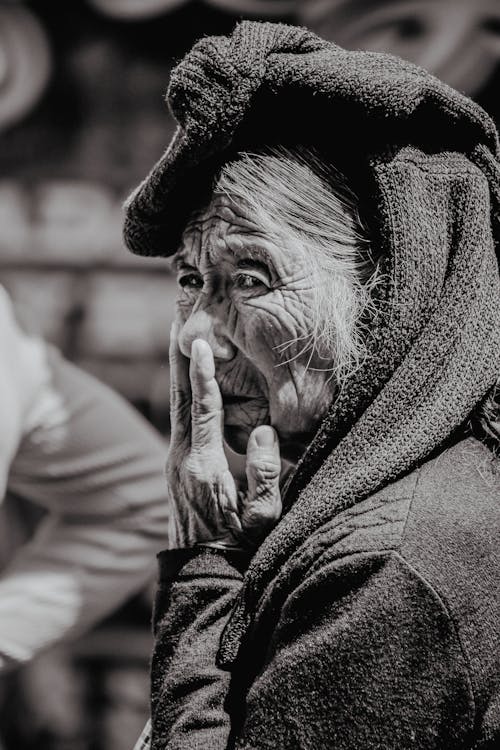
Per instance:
{"type": "Point", "coordinates": [280, 324]}
{"type": "Point", "coordinates": [270, 325]}
{"type": "Point", "coordinates": [264, 326]}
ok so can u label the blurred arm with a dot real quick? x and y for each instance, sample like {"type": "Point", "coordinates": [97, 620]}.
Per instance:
{"type": "Point", "coordinates": [97, 467]}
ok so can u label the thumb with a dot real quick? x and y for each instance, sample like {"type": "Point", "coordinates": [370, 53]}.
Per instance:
{"type": "Point", "coordinates": [262, 506]}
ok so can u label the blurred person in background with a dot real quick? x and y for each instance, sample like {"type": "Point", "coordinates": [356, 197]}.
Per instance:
{"type": "Point", "coordinates": [79, 465]}
{"type": "Point", "coordinates": [75, 448]}
{"type": "Point", "coordinates": [333, 468]}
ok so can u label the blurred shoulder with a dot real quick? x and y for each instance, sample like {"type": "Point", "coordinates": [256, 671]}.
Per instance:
{"type": "Point", "coordinates": [24, 368]}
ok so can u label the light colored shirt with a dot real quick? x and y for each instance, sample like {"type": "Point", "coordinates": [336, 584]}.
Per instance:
{"type": "Point", "coordinates": [74, 447]}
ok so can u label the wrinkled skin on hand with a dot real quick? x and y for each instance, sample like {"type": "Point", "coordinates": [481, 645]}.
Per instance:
{"type": "Point", "coordinates": [249, 298]}
{"type": "Point", "coordinates": [211, 506]}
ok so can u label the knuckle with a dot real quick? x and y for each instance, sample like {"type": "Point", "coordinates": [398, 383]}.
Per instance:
{"type": "Point", "coordinates": [179, 411]}
{"type": "Point", "coordinates": [179, 408]}
{"type": "Point", "coordinates": [204, 465]}
{"type": "Point", "coordinates": [204, 409]}
{"type": "Point", "coordinates": [269, 513]}
{"type": "Point", "coordinates": [261, 517]}
{"type": "Point", "coordinates": [176, 392]}
{"type": "Point", "coordinates": [265, 472]}
{"type": "Point", "coordinates": [207, 401]}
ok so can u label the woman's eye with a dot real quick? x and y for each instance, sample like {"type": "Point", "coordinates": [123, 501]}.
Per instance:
{"type": "Point", "coordinates": [191, 281]}
{"type": "Point", "coordinates": [248, 281]}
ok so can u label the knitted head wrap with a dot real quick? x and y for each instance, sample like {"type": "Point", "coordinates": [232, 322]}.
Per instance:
{"type": "Point", "coordinates": [431, 181]}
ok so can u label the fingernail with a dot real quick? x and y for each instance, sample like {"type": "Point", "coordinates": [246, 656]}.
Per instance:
{"type": "Point", "coordinates": [265, 437]}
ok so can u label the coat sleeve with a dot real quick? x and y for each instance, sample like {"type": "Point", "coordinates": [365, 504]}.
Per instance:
{"type": "Point", "coordinates": [364, 656]}
{"type": "Point", "coordinates": [195, 596]}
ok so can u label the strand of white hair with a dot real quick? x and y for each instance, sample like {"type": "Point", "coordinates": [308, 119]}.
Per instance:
{"type": "Point", "coordinates": [295, 197]}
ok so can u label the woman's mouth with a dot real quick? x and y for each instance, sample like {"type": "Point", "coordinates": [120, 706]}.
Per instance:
{"type": "Point", "coordinates": [236, 438]}
{"type": "Point", "coordinates": [242, 412]}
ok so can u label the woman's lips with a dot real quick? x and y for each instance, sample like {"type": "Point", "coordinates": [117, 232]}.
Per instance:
{"type": "Point", "coordinates": [241, 414]}
{"type": "Point", "coordinates": [236, 438]}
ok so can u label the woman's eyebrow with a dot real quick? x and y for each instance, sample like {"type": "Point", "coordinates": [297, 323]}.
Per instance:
{"type": "Point", "coordinates": [180, 264]}
{"type": "Point", "coordinates": [256, 257]}
{"type": "Point", "coordinates": [252, 263]}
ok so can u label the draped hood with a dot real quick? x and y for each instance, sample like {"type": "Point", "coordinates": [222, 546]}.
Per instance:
{"type": "Point", "coordinates": [424, 160]}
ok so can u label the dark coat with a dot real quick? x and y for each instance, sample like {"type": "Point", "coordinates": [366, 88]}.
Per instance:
{"type": "Point", "coordinates": [391, 639]}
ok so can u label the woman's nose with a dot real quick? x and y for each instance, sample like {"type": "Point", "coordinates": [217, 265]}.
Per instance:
{"type": "Point", "coordinates": [202, 325]}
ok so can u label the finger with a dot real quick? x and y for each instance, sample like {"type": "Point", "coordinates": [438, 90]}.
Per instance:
{"type": "Point", "coordinates": [206, 401]}
{"type": "Point", "coordinates": [180, 392]}
{"type": "Point", "coordinates": [262, 507]}
{"type": "Point", "coordinates": [230, 506]}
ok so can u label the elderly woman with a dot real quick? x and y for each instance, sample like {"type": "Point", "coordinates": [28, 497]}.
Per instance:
{"type": "Point", "coordinates": [332, 217]}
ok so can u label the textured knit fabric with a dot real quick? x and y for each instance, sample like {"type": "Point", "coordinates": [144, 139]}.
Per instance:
{"type": "Point", "coordinates": [389, 636]}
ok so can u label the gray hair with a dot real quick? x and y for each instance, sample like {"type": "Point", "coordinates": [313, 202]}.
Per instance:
{"type": "Point", "coordinates": [293, 195]}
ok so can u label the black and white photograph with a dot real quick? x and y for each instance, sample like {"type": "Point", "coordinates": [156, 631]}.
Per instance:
{"type": "Point", "coordinates": [250, 375]}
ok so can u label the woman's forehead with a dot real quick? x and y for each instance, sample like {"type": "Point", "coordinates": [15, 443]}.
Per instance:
{"type": "Point", "coordinates": [222, 212]}
{"type": "Point", "coordinates": [224, 227]}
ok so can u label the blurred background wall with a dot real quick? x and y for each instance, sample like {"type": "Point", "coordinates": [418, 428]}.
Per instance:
{"type": "Point", "coordinates": [82, 119]}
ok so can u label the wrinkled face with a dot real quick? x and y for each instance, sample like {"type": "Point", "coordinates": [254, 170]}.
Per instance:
{"type": "Point", "coordinates": [250, 298]}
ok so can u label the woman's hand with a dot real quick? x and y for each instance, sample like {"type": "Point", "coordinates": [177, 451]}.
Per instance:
{"type": "Point", "coordinates": [210, 506]}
